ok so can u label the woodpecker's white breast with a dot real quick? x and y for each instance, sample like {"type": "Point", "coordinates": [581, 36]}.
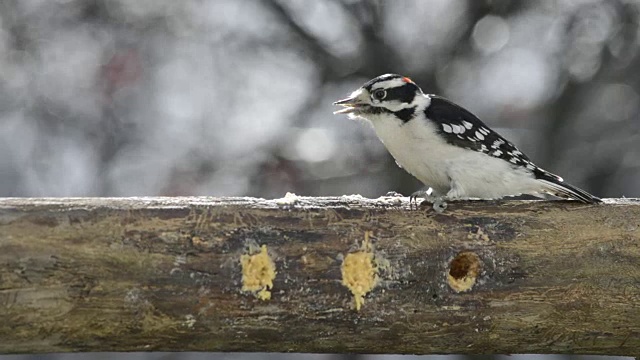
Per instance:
{"type": "Point", "coordinates": [448, 169]}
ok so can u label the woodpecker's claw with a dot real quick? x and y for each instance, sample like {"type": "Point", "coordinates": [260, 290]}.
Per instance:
{"type": "Point", "coordinates": [439, 205]}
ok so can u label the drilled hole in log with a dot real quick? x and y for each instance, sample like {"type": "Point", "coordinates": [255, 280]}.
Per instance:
{"type": "Point", "coordinates": [463, 271]}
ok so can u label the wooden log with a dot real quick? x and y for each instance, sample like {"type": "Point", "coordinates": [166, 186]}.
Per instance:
{"type": "Point", "coordinates": [343, 274]}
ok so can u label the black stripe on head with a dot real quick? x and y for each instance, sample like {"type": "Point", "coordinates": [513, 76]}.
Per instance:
{"type": "Point", "coordinates": [369, 84]}
{"type": "Point", "coordinates": [405, 114]}
{"type": "Point", "coordinates": [405, 93]}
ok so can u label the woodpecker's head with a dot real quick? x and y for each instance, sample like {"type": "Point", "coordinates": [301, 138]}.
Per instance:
{"type": "Point", "coordinates": [388, 94]}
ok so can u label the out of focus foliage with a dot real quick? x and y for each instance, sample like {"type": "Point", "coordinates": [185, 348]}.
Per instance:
{"type": "Point", "coordinates": [228, 97]}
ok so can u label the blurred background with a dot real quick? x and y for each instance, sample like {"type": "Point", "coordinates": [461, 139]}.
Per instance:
{"type": "Point", "coordinates": [233, 97]}
{"type": "Point", "coordinates": [225, 97]}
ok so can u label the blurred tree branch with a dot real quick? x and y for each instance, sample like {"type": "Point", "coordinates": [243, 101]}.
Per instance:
{"type": "Point", "coordinates": [328, 63]}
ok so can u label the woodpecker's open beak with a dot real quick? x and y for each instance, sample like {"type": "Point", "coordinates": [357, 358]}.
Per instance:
{"type": "Point", "coordinates": [348, 104]}
{"type": "Point", "coordinates": [355, 102]}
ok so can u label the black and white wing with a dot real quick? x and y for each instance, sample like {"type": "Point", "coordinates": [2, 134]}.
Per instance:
{"type": "Point", "coordinates": [461, 128]}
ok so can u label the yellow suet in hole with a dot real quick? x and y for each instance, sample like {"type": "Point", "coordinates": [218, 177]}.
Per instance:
{"type": "Point", "coordinates": [258, 272]}
{"type": "Point", "coordinates": [360, 272]}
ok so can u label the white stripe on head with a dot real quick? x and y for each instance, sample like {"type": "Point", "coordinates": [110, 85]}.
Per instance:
{"type": "Point", "coordinates": [387, 84]}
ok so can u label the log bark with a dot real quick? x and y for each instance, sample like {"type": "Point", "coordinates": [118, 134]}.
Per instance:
{"type": "Point", "coordinates": [336, 275]}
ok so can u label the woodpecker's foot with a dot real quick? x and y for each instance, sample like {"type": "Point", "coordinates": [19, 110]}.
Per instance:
{"type": "Point", "coordinates": [424, 193]}
{"type": "Point", "coordinates": [439, 203]}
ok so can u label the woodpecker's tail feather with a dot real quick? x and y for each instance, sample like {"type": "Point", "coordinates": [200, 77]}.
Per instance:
{"type": "Point", "coordinates": [559, 188]}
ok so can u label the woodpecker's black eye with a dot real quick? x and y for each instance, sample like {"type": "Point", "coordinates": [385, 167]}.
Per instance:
{"type": "Point", "coordinates": [379, 94]}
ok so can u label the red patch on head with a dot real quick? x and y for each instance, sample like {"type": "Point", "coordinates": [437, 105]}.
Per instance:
{"type": "Point", "coordinates": [406, 79]}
